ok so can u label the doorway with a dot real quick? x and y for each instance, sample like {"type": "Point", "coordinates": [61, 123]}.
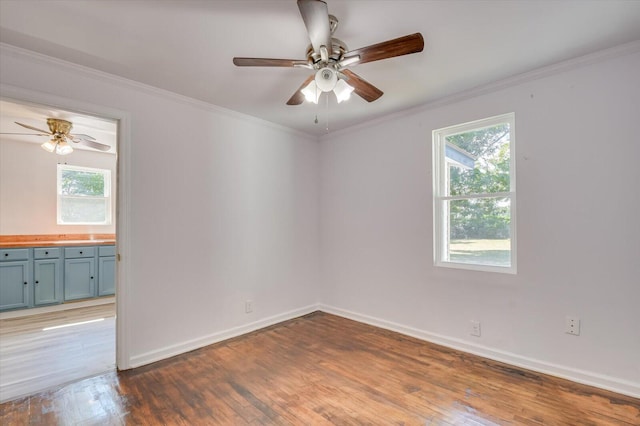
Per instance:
{"type": "Point", "coordinates": [69, 325]}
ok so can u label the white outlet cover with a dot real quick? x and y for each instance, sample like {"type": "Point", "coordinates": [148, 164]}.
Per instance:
{"type": "Point", "coordinates": [474, 328]}
{"type": "Point", "coordinates": [572, 325]}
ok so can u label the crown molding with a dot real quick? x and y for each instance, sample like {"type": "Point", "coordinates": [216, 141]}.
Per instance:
{"type": "Point", "coordinates": [38, 58]}
{"type": "Point", "coordinates": [515, 80]}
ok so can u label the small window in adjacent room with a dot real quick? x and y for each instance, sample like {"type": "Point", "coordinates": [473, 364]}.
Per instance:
{"type": "Point", "coordinates": [474, 195]}
{"type": "Point", "coordinates": [84, 196]}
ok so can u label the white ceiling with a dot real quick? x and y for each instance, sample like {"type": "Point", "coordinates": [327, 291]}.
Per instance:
{"type": "Point", "coordinates": [187, 46]}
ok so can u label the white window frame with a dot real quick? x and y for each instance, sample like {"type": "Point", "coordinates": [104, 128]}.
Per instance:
{"type": "Point", "coordinates": [107, 193]}
{"type": "Point", "coordinates": [440, 189]}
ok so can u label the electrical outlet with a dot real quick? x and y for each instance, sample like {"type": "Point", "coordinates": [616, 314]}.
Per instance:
{"type": "Point", "coordinates": [572, 325]}
{"type": "Point", "coordinates": [474, 328]}
{"type": "Point", "coordinates": [248, 306]}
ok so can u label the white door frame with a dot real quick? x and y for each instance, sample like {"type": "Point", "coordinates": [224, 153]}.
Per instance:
{"type": "Point", "coordinates": [123, 204]}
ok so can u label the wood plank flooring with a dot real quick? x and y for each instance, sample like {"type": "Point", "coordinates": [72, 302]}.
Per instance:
{"type": "Point", "coordinates": [32, 359]}
{"type": "Point", "coordinates": [322, 369]}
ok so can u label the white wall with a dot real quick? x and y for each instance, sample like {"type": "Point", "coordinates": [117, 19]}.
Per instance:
{"type": "Point", "coordinates": [28, 188]}
{"type": "Point", "coordinates": [248, 210]}
{"type": "Point", "coordinates": [223, 208]}
{"type": "Point", "coordinates": [578, 204]}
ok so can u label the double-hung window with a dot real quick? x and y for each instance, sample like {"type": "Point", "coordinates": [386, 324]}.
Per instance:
{"type": "Point", "coordinates": [474, 195]}
{"type": "Point", "coordinates": [84, 196]}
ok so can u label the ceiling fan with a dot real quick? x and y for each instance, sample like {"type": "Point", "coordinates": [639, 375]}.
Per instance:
{"type": "Point", "coordinates": [329, 58]}
{"type": "Point", "coordinates": [59, 130]}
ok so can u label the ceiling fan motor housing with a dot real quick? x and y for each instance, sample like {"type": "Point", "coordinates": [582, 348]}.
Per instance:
{"type": "Point", "coordinates": [58, 126]}
{"type": "Point", "coordinates": [338, 49]}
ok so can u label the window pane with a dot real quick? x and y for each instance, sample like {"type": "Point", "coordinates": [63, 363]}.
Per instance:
{"type": "Point", "coordinates": [479, 231]}
{"type": "Point", "coordinates": [83, 210]}
{"type": "Point", "coordinates": [478, 161]}
{"type": "Point", "coordinates": [82, 183]}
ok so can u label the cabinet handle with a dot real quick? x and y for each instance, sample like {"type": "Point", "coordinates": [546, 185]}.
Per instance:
{"type": "Point", "coordinates": [46, 252]}
{"type": "Point", "coordinates": [25, 283]}
{"type": "Point", "coordinates": [37, 282]}
{"type": "Point", "coordinates": [91, 277]}
{"type": "Point", "coordinates": [80, 252]}
{"type": "Point", "coordinates": [6, 254]}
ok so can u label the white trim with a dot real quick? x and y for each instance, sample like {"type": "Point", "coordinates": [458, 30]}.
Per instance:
{"type": "Point", "coordinates": [610, 383]}
{"type": "Point", "coordinates": [613, 384]}
{"type": "Point", "coordinates": [123, 193]}
{"type": "Point", "coordinates": [20, 313]}
{"type": "Point", "coordinates": [441, 183]}
{"type": "Point", "coordinates": [190, 345]}
{"type": "Point", "coordinates": [477, 267]}
{"type": "Point", "coordinates": [124, 232]}
{"type": "Point", "coordinates": [485, 195]}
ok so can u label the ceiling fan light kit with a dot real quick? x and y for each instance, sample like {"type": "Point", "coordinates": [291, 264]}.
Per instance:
{"type": "Point", "coordinates": [326, 80]}
{"type": "Point", "coordinates": [49, 146]}
{"type": "Point", "coordinates": [59, 128]}
{"type": "Point", "coordinates": [342, 91]}
{"type": "Point", "coordinates": [311, 92]}
{"type": "Point", "coordinates": [330, 57]}
{"type": "Point", "coordinates": [60, 147]}
{"type": "Point", "coordinates": [63, 148]}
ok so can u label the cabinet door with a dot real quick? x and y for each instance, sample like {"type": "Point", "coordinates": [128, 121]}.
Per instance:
{"type": "Point", "coordinates": [46, 281]}
{"type": "Point", "coordinates": [14, 285]}
{"type": "Point", "coordinates": [106, 275]}
{"type": "Point", "coordinates": [79, 278]}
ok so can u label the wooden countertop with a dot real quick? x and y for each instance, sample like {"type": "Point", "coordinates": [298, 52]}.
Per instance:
{"type": "Point", "coordinates": [56, 240]}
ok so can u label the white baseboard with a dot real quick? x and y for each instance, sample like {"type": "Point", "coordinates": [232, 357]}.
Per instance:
{"type": "Point", "coordinates": [190, 345]}
{"type": "Point", "coordinates": [580, 376]}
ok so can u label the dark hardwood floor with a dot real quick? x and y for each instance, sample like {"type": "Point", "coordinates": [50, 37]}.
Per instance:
{"type": "Point", "coordinates": [323, 369]}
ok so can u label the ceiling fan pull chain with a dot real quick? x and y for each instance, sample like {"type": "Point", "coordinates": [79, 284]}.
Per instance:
{"type": "Point", "coordinates": [317, 106]}
{"type": "Point", "coordinates": [327, 98]}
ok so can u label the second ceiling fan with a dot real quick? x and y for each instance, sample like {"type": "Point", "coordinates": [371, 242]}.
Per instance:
{"type": "Point", "coordinates": [329, 58]}
{"type": "Point", "coordinates": [60, 133]}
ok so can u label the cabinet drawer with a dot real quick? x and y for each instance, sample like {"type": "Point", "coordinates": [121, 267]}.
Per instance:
{"type": "Point", "coordinates": [74, 252]}
{"type": "Point", "coordinates": [106, 251]}
{"type": "Point", "coordinates": [46, 253]}
{"type": "Point", "coordinates": [14, 254]}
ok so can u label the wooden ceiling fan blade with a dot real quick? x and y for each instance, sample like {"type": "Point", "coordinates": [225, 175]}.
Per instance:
{"type": "Point", "coordinates": [298, 97]}
{"type": "Point", "coordinates": [361, 87]}
{"type": "Point", "coordinates": [406, 45]}
{"type": "Point", "coordinates": [315, 15]}
{"type": "Point", "coordinates": [33, 128]}
{"type": "Point", "coordinates": [93, 144]}
{"type": "Point", "coordinates": [268, 62]}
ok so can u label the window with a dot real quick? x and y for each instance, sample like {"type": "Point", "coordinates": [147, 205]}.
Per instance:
{"type": "Point", "coordinates": [474, 195]}
{"type": "Point", "coordinates": [84, 196]}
